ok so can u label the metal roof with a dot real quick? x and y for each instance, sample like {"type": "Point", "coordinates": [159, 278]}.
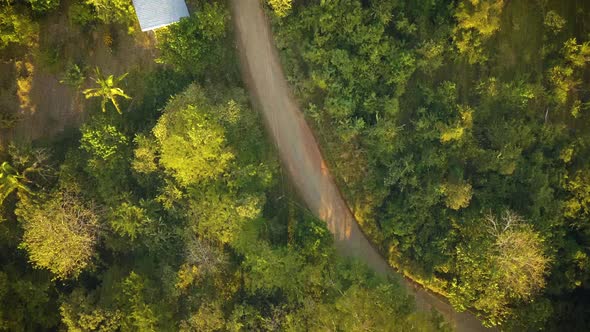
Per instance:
{"type": "Point", "coordinates": [153, 14]}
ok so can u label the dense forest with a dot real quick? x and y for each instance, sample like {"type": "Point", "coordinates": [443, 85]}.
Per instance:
{"type": "Point", "coordinates": [140, 192]}
{"type": "Point", "coordinates": [459, 132]}
{"type": "Point", "coordinates": [158, 203]}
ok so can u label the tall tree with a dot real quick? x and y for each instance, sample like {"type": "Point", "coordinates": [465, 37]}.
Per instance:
{"type": "Point", "coordinates": [502, 264]}
{"type": "Point", "coordinates": [60, 233]}
{"type": "Point", "coordinates": [205, 169]}
{"type": "Point", "coordinates": [478, 20]}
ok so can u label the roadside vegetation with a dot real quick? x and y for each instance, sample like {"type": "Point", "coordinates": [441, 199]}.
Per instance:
{"type": "Point", "coordinates": [459, 130]}
{"type": "Point", "coordinates": [138, 191]}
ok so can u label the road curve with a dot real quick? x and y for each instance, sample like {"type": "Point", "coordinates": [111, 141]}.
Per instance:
{"type": "Point", "coordinates": [301, 156]}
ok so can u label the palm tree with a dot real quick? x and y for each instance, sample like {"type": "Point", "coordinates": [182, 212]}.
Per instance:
{"type": "Point", "coordinates": [107, 90]}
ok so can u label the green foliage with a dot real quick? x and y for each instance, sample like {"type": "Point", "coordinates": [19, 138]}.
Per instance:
{"type": "Point", "coordinates": [16, 28]}
{"type": "Point", "coordinates": [369, 309]}
{"type": "Point", "coordinates": [273, 270]}
{"type": "Point", "coordinates": [191, 141]}
{"type": "Point", "coordinates": [11, 181]}
{"type": "Point", "coordinates": [8, 120]}
{"type": "Point", "coordinates": [431, 56]}
{"type": "Point", "coordinates": [27, 302]}
{"type": "Point", "coordinates": [145, 155]}
{"type": "Point", "coordinates": [28, 168]}
{"type": "Point", "coordinates": [577, 55]}
{"type": "Point", "coordinates": [554, 22]}
{"type": "Point", "coordinates": [114, 11]}
{"type": "Point", "coordinates": [106, 152]}
{"type": "Point", "coordinates": [434, 117]}
{"type": "Point", "coordinates": [82, 14]}
{"type": "Point", "coordinates": [505, 262]}
{"type": "Point", "coordinates": [423, 137]}
{"type": "Point", "coordinates": [60, 234]}
{"type": "Point", "coordinates": [208, 318]}
{"type": "Point", "coordinates": [102, 141]}
{"type": "Point", "coordinates": [42, 6]}
{"type": "Point", "coordinates": [325, 293]}
{"type": "Point", "coordinates": [577, 206]}
{"type": "Point", "coordinates": [564, 77]}
{"type": "Point", "coordinates": [192, 146]}
{"type": "Point", "coordinates": [477, 21]}
{"type": "Point", "coordinates": [457, 195]}
{"type": "Point", "coordinates": [129, 220]}
{"type": "Point", "coordinates": [281, 7]}
{"type": "Point", "coordinates": [74, 76]}
{"type": "Point", "coordinates": [190, 242]}
{"type": "Point", "coordinates": [107, 90]}
{"type": "Point", "coordinates": [125, 306]}
{"type": "Point", "coordinates": [141, 317]}
{"type": "Point", "coordinates": [193, 45]}
{"type": "Point", "coordinates": [482, 16]}
{"type": "Point", "coordinates": [519, 255]}
{"type": "Point", "coordinates": [209, 167]}
{"type": "Point", "coordinates": [220, 214]}
{"type": "Point", "coordinates": [78, 314]}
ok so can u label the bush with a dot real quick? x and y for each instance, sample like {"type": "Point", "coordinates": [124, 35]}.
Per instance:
{"type": "Point", "coordinates": [114, 11]}
{"type": "Point", "coordinates": [16, 28]}
{"type": "Point", "coordinates": [194, 43]}
{"type": "Point", "coordinates": [81, 14]}
{"type": "Point", "coordinates": [8, 120]}
{"type": "Point", "coordinates": [42, 6]}
{"type": "Point", "coordinates": [74, 76]}
{"type": "Point", "coordinates": [281, 7]}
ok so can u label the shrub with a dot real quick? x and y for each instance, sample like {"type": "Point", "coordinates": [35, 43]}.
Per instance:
{"type": "Point", "coordinates": [42, 6]}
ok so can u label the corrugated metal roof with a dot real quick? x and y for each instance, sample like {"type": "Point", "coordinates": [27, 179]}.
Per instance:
{"type": "Point", "coordinates": [153, 14]}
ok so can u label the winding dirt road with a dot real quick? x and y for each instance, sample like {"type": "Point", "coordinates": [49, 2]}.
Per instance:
{"type": "Point", "coordinates": [302, 158]}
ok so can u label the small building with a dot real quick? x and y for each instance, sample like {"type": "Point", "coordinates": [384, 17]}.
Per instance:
{"type": "Point", "coordinates": [154, 14]}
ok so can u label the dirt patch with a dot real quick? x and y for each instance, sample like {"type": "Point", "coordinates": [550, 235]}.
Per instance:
{"type": "Point", "coordinates": [45, 107]}
{"type": "Point", "coordinates": [51, 108]}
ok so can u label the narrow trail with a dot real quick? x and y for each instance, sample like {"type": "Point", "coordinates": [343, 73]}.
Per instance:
{"type": "Point", "coordinates": [301, 156]}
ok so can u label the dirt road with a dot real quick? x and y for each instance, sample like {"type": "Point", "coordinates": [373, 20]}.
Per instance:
{"type": "Point", "coordinates": [302, 158]}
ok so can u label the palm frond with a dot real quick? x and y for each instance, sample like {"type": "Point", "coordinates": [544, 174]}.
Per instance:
{"type": "Point", "coordinates": [89, 93]}
{"type": "Point", "coordinates": [114, 101]}
{"type": "Point", "coordinates": [122, 77]}
{"type": "Point", "coordinates": [119, 92]}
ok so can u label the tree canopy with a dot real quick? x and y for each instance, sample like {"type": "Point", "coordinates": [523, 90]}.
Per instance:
{"type": "Point", "coordinates": [456, 130]}
{"type": "Point", "coordinates": [438, 117]}
{"type": "Point", "coordinates": [60, 234]}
